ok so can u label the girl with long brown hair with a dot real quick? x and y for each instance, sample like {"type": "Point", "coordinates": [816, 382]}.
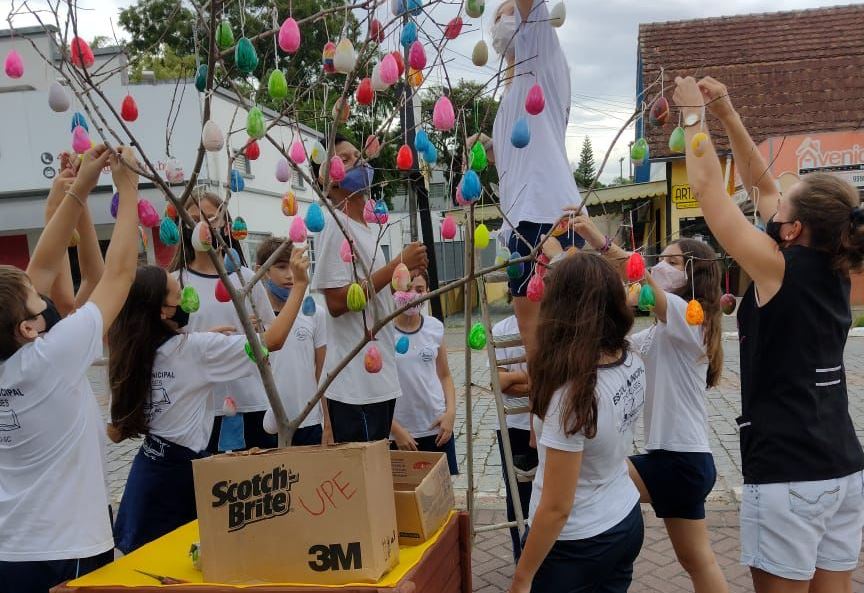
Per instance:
{"type": "Point", "coordinates": [194, 268]}
{"type": "Point", "coordinates": [160, 382]}
{"type": "Point", "coordinates": [801, 510]}
{"type": "Point", "coordinates": [682, 362]}
{"type": "Point", "coordinates": [588, 390]}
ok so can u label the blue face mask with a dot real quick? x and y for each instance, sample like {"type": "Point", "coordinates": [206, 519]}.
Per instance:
{"type": "Point", "coordinates": [357, 179]}
{"type": "Point", "coordinates": [277, 291]}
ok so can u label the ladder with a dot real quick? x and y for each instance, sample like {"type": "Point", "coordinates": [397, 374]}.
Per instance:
{"type": "Point", "coordinates": [505, 406]}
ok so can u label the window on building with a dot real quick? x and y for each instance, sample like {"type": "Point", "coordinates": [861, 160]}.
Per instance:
{"type": "Point", "coordinates": [242, 164]}
{"type": "Point", "coordinates": [297, 182]}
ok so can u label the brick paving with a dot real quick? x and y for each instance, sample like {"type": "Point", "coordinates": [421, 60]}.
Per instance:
{"type": "Point", "coordinates": [657, 569]}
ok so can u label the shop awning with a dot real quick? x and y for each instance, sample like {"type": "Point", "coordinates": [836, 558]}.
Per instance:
{"type": "Point", "coordinates": [626, 193]}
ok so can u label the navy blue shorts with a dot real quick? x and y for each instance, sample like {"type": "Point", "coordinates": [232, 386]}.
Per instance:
{"type": "Point", "coordinates": [308, 435]}
{"type": "Point", "coordinates": [599, 564]}
{"type": "Point", "coordinates": [361, 423]}
{"type": "Point", "coordinates": [678, 483]}
{"type": "Point", "coordinates": [39, 576]}
{"type": "Point", "coordinates": [531, 232]}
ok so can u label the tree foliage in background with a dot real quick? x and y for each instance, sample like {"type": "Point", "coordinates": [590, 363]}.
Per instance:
{"type": "Point", "coordinates": [586, 169]}
{"type": "Point", "coordinates": [479, 111]}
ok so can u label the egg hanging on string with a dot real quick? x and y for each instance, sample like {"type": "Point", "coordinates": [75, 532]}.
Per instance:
{"type": "Point", "coordinates": [475, 8]}
{"type": "Point", "coordinates": [536, 288]}
{"type": "Point", "coordinates": [678, 141]}
{"type": "Point", "coordinates": [408, 34]}
{"type": "Point", "coordinates": [520, 136]}
{"type": "Point", "coordinates": [337, 169]}
{"type": "Point", "coordinates": [80, 140]}
{"type": "Point", "coordinates": [212, 137]}
{"type": "Point", "coordinates": [402, 345]}
{"type": "Point", "coordinates": [289, 204]}
{"type": "Point", "coordinates": [542, 265]}
{"type": "Point", "coordinates": [430, 155]}
{"type": "Point", "coordinates": [376, 31]}
{"type": "Point", "coordinates": [382, 215]}
{"type": "Point", "coordinates": [174, 174]}
{"type": "Point", "coordinates": [221, 292]}
{"type": "Point", "coordinates": [401, 279]}
{"type": "Point", "coordinates": [501, 256]}
{"type": "Point", "coordinates": [448, 228]}
{"type": "Point", "coordinates": [80, 53]}
{"type": "Point", "coordinates": [169, 234]}
{"type": "Point", "coordinates": [232, 261]}
{"type": "Point", "coordinates": [309, 306]}
{"type": "Point", "coordinates": [251, 353]}
{"type": "Point", "coordinates": [415, 78]}
{"type": "Point", "coordinates": [327, 57]}
{"type": "Point", "coordinates": [728, 303]}
{"type": "Point", "coordinates": [695, 315]}
{"type": "Point", "coordinates": [341, 110]}
{"type": "Point", "coordinates": [417, 56]}
{"type": "Point", "coordinates": [443, 116]}
{"type": "Point", "coordinates": [477, 159]}
{"type": "Point", "coordinates": [237, 183]}
{"type": "Point", "coordinates": [346, 254]}
{"type": "Point", "coordinates": [317, 153]}
{"type": "Point", "coordinates": [129, 109]}
{"type": "Point", "coordinates": [189, 300]}
{"type": "Point", "coordinates": [639, 151]}
{"type": "Point", "coordinates": [389, 70]}
{"type": "Point", "coordinates": [255, 123]}
{"type": "Point", "coordinates": [252, 151]}
{"type": "Point", "coordinates": [297, 230]}
{"type": "Point", "coordinates": [421, 140]}
{"type": "Point", "coordinates": [245, 57]}
{"type": "Point", "coordinates": [699, 144]}
{"type": "Point", "coordinates": [289, 36]}
{"type": "Point", "coordinates": [344, 59]}
{"type": "Point", "coordinates": [58, 98]}
{"type": "Point", "coordinates": [297, 152]}
{"type": "Point", "coordinates": [365, 93]}
{"type": "Point", "coordinates": [635, 267]}
{"type": "Point", "coordinates": [147, 214]}
{"type": "Point", "coordinates": [372, 361]}
{"type": "Point", "coordinates": [369, 212]}
{"type": "Point", "coordinates": [481, 236]}
{"type": "Point", "coordinates": [13, 65]}
{"type": "Point", "coordinates": [356, 298]}
{"type": "Point", "coordinates": [516, 268]}
{"type": "Point", "coordinates": [239, 229]}
{"type": "Point", "coordinates": [78, 119]}
{"type": "Point", "coordinates": [224, 35]}
{"type": "Point", "coordinates": [277, 85]}
{"type": "Point", "coordinates": [201, 78]}
{"type": "Point", "coordinates": [170, 210]}
{"type": "Point", "coordinates": [453, 29]}
{"type": "Point", "coordinates": [480, 54]}
{"type": "Point", "coordinates": [460, 199]}
{"type": "Point", "coordinates": [535, 101]}
{"type": "Point", "coordinates": [372, 146]}
{"type": "Point", "coordinates": [558, 14]}
{"type": "Point", "coordinates": [477, 337]}
{"type": "Point", "coordinates": [404, 158]}
{"type": "Point", "coordinates": [647, 300]}
{"type": "Point", "coordinates": [314, 218]}
{"type": "Point", "coordinates": [659, 113]}
{"type": "Point", "coordinates": [377, 84]}
{"type": "Point", "coordinates": [471, 188]}
{"type": "Point", "coordinates": [400, 62]}
{"type": "Point", "coordinates": [202, 239]}
{"type": "Point", "coordinates": [283, 170]}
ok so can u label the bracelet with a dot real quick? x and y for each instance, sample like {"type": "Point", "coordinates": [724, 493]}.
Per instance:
{"type": "Point", "coordinates": [78, 199]}
{"type": "Point", "coordinates": [607, 245]}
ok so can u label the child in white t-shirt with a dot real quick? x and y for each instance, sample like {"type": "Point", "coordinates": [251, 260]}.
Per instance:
{"type": "Point", "coordinates": [194, 268]}
{"type": "Point", "coordinates": [588, 390]}
{"type": "Point", "coordinates": [426, 412]}
{"type": "Point", "coordinates": [54, 516]}
{"type": "Point", "coordinates": [161, 381]}
{"type": "Point", "coordinates": [360, 403]}
{"type": "Point", "coordinates": [297, 367]}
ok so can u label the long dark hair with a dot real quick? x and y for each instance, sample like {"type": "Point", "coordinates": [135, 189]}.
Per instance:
{"type": "Point", "coordinates": [583, 315]}
{"type": "Point", "coordinates": [703, 283]}
{"type": "Point", "coordinates": [133, 340]}
{"type": "Point", "coordinates": [830, 209]}
{"type": "Point", "coordinates": [185, 253]}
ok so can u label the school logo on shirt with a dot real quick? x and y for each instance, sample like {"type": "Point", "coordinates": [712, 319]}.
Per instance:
{"type": "Point", "coordinates": [261, 497]}
{"type": "Point", "coordinates": [8, 418]}
{"type": "Point", "coordinates": [302, 334]}
{"type": "Point", "coordinates": [630, 399]}
{"type": "Point", "coordinates": [427, 354]}
{"type": "Point", "coordinates": [159, 399]}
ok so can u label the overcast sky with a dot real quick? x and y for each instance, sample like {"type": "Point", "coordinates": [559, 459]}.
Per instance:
{"type": "Point", "coordinates": [599, 39]}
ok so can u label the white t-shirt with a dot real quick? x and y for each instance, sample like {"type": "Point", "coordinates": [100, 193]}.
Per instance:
{"type": "Point", "coordinates": [354, 385]}
{"type": "Point", "coordinates": [294, 368]}
{"type": "Point", "coordinates": [185, 371]}
{"type": "Point", "coordinates": [53, 500]}
{"type": "Point", "coordinates": [605, 495]}
{"type": "Point", "coordinates": [509, 327]}
{"type": "Point", "coordinates": [422, 401]}
{"type": "Point", "coordinates": [676, 365]}
{"type": "Point", "coordinates": [247, 391]}
{"type": "Point", "coordinates": [536, 182]}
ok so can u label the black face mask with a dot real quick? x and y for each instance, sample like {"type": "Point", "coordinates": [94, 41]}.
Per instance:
{"type": "Point", "coordinates": [180, 317]}
{"type": "Point", "coordinates": [772, 229]}
{"type": "Point", "coordinates": [51, 315]}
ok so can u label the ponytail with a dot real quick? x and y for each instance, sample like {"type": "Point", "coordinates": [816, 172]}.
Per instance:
{"type": "Point", "coordinates": [851, 254]}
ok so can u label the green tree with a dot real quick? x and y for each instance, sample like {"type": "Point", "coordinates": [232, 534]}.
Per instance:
{"type": "Point", "coordinates": [100, 41]}
{"type": "Point", "coordinates": [586, 170]}
{"type": "Point", "coordinates": [475, 112]}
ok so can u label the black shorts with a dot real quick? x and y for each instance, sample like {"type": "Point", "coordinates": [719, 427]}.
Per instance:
{"type": "Point", "coordinates": [361, 423]}
{"type": "Point", "coordinates": [678, 483]}
{"type": "Point", "coordinates": [531, 232]}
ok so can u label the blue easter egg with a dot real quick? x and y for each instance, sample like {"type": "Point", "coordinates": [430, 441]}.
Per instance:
{"type": "Point", "coordinates": [232, 261]}
{"type": "Point", "coordinates": [409, 34]}
{"type": "Point", "coordinates": [421, 141]}
{"type": "Point", "coordinates": [402, 345]}
{"type": "Point", "coordinates": [237, 182]}
{"type": "Point", "coordinates": [415, 6]}
{"type": "Point", "coordinates": [169, 234]}
{"type": "Point", "coordinates": [471, 186]}
{"type": "Point", "coordinates": [79, 120]}
{"type": "Point", "coordinates": [315, 218]}
{"type": "Point", "coordinates": [430, 155]}
{"type": "Point", "coordinates": [308, 308]}
{"type": "Point", "coordinates": [521, 134]}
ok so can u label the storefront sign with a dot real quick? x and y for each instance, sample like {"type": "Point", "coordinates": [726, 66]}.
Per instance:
{"type": "Point", "coordinates": [683, 198]}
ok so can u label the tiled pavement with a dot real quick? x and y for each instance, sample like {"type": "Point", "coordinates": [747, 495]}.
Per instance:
{"type": "Point", "coordinates": [656, 570]}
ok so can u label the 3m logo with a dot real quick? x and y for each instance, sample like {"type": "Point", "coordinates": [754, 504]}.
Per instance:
{"type": "Point", "coordinates": [335, 557]}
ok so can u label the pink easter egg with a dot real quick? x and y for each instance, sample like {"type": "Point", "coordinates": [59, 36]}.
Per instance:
{"type": "Point", "coordinates": [297, 231]}
{"type": "Point", "coordinates": [337, 169]}
{"type": "Point", "coordinates": [443, 116]}
{"type": "Point", "coordinates": [417, 56]}
{"type": "Point", "coordinates": [80, 140]}
{"type": "Point", "coordinates": [147, 214]}
{"type": "Point", "coordinates": [536, 287]}
{"type": "Point", "coordinates": [448, 228]}
{"type": "Point", "coordinates": [369, 212]}
{"type": "Point", "coordinates": [345, 252]}
{"type": "Point", "coordinates": [297, 152]}
{"type": "Point", "coordinates": [14, 65]}
{"type": "Point", "coordinates": [535, 101]}
{"type": "Point", "coordinates": [289, 36]}
{"type": "Point", "coordinates": [389, 70]}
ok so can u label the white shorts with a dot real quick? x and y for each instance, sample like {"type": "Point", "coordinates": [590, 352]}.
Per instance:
{"type": "Point", "coordinates": [791, 529]}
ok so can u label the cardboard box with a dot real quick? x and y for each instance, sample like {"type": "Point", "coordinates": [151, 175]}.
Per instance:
{"type": "Point", "coordinates": [318, 515]}
{"type": "Point", "coordinates": [424, 494]}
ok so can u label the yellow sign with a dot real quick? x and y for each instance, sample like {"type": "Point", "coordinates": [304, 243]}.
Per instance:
{"type": "Point", "coordinates": [682, 197]}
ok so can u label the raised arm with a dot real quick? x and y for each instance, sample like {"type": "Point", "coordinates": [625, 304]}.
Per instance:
{"type": "Point", "coordinates": [750, 164]}
{"type": "Point", "coordinates": [122, 259]}
{"type": "Point", "coordinates": [90, 261]}
{"type": "Point", "coordinates": [48, 255]}
{"type": "Point", "coordinates": [277, 333]}
{"type": "Point", "coordinates": [757, 253]}
{"type": "Point", "coordinates": [63, 291]}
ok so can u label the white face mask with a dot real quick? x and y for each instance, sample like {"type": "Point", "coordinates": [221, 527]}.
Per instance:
{"type": "Point", "coordinates": [503, 33]}
{"type": "Point", "coordinates": [668, 277]}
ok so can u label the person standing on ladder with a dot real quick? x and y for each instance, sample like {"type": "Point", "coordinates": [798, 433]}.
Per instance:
{"type": "Point", "coordinates": [536, 182]}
